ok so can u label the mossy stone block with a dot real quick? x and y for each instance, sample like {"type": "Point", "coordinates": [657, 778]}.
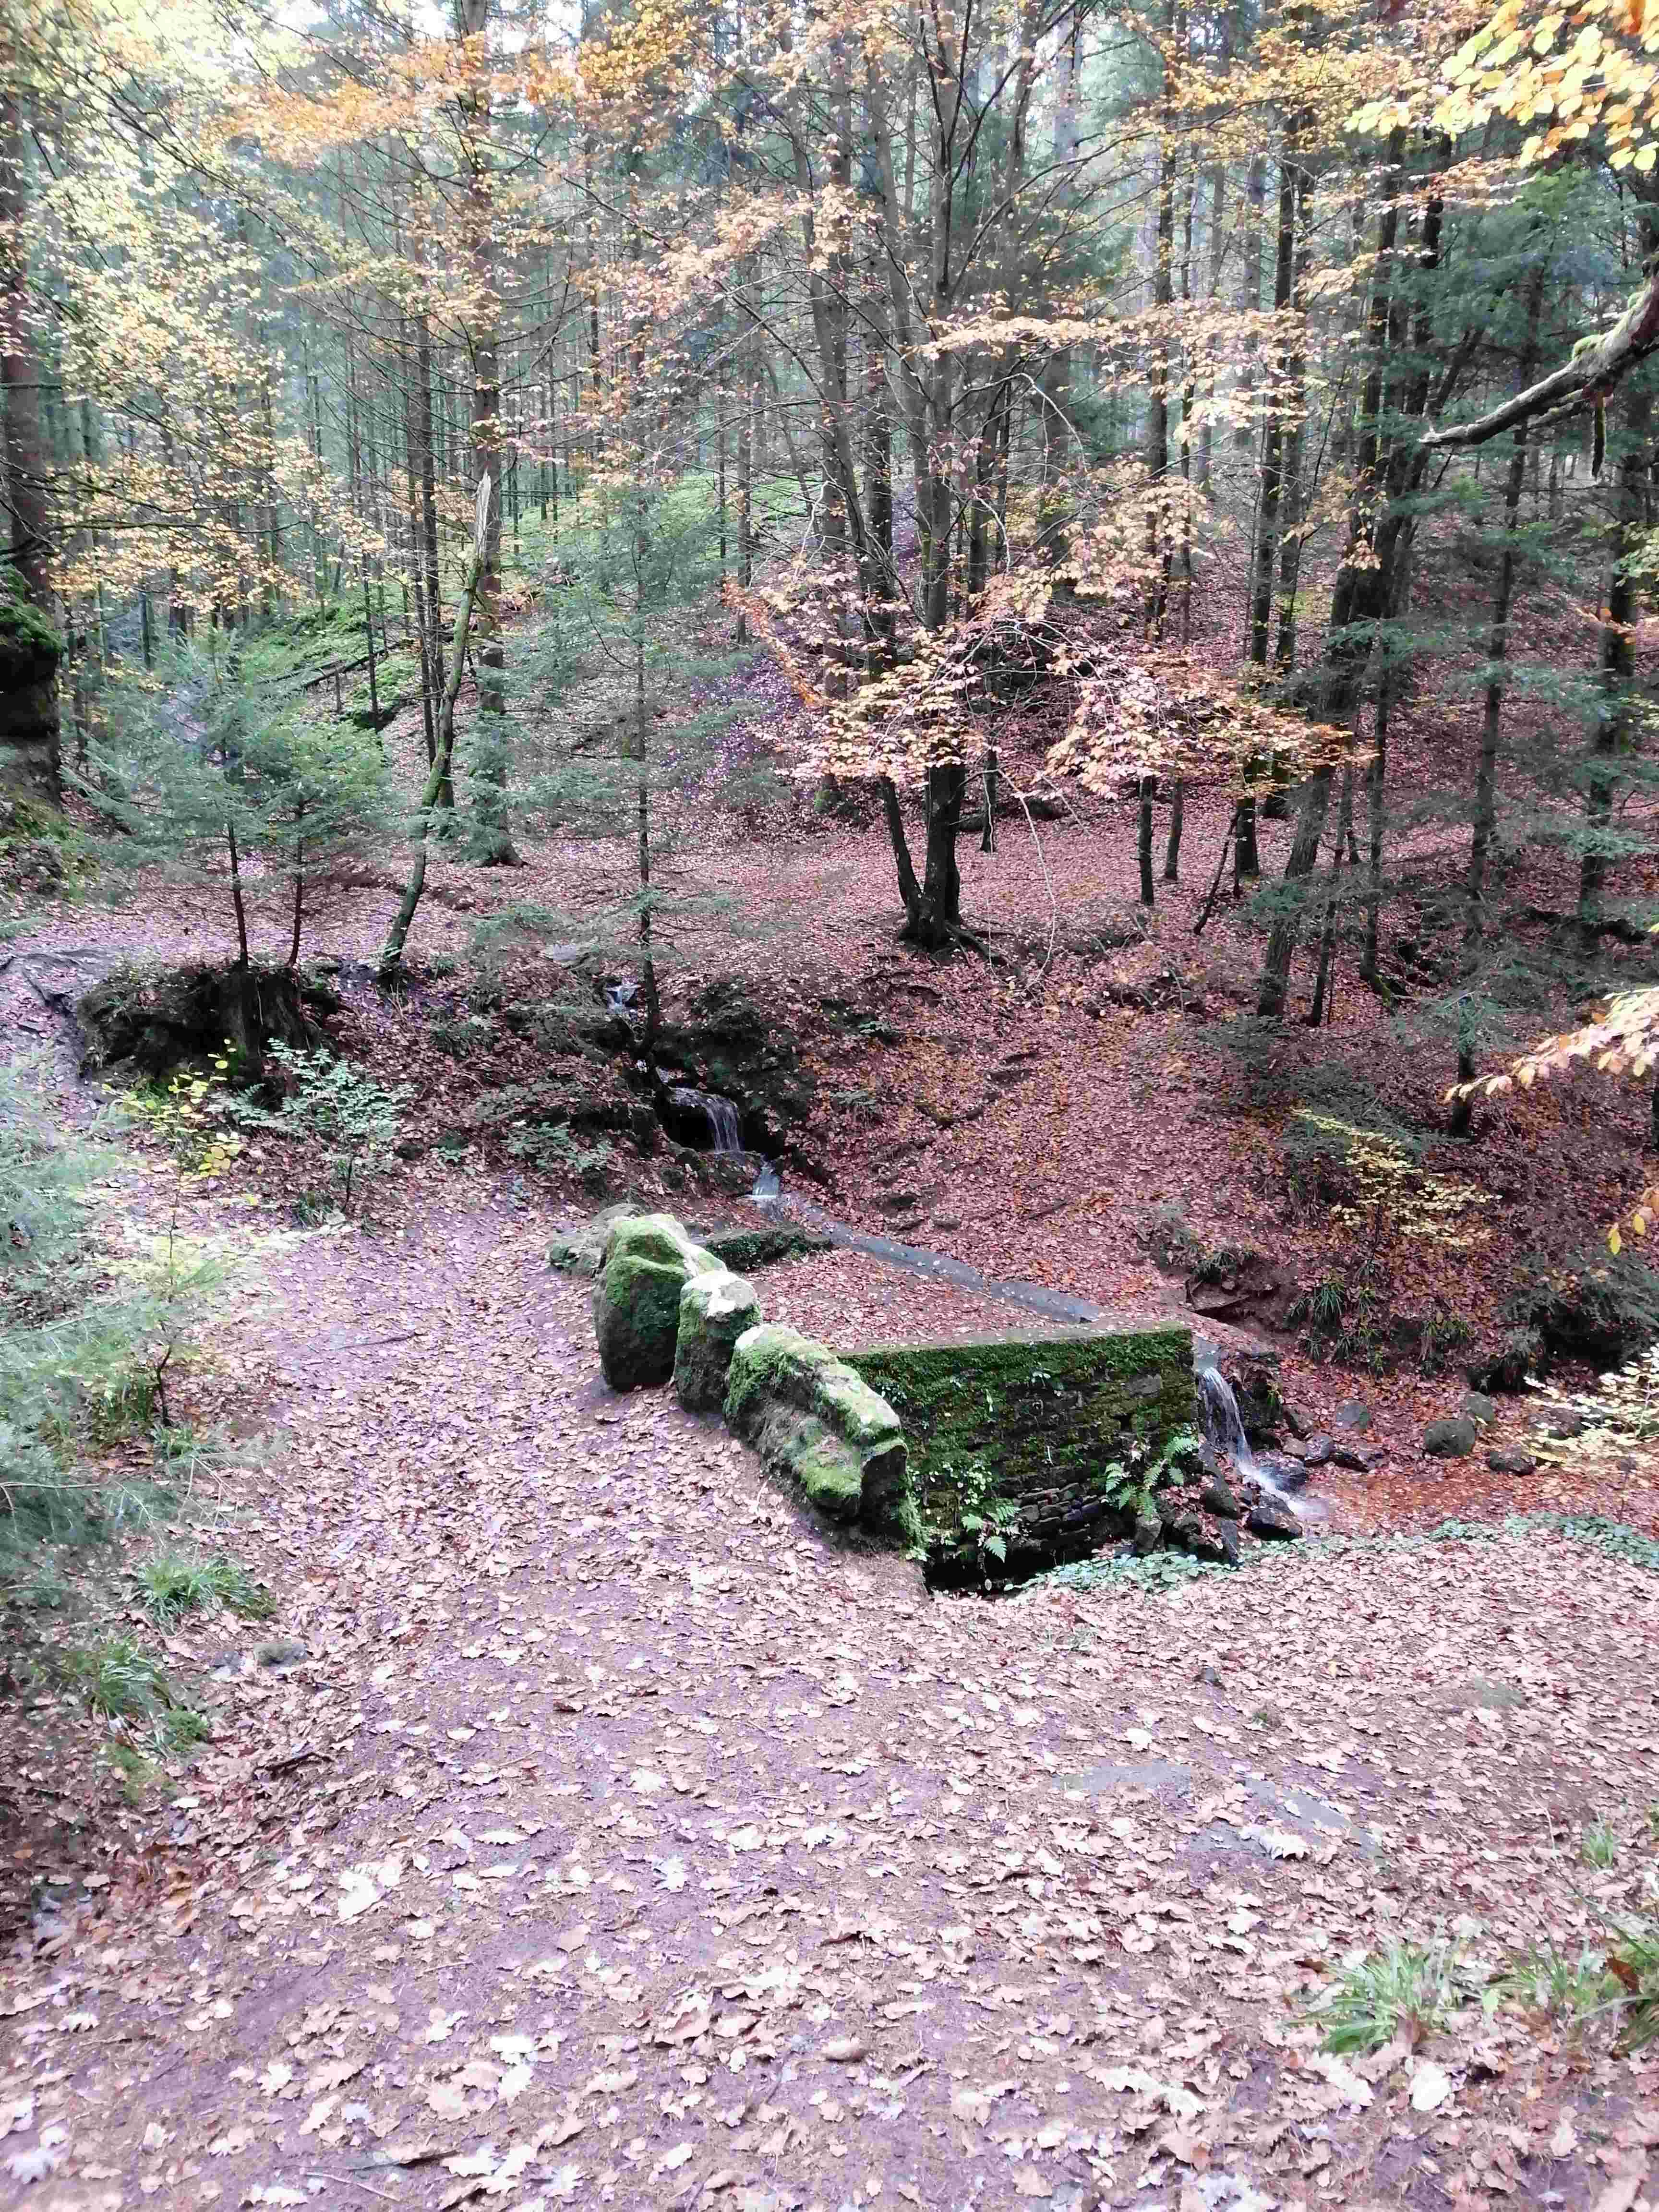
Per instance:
{"type": "Point", "coordinates": [715, 1310]}
{"type": "Point", "coordinates": [648, 1260]}
{"type": "Point", "coordinates": [1031, 1425]}
{"type": "Point", "coordinates": [812, 1419]}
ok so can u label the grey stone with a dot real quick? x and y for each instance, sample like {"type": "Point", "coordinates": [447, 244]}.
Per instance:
{"type": "Point", "coordinates": [715, 1308]}
{"type": "Point", "coordinates": [813, 1420]}
{"type": "Point", "coordinates": [1477, 1696]}
{"type": "Point", "coordinates": [648, 1260]}
{"type": "Point", "coordinates": [1226, 1531]}
{"type": "Point", "coordinates": [282, 1652]}
{"type": "Point", "coordinates": [1146, 1386]}
{"type": "Point", "coordinates": [1354, 1413]}
{"type": "Point", "coordinates": [1317, 1452]}
{"type": "Point", "coordinates": [1285, 1474]}
{"type": "Point", "coordinates": [1148, 1532]}
{"type": "Point", "coordinates": [1217, 1498]}
{"type": "Point", "coordinates": [1449, 1439]}
{"type": "Point", "coordinates": [1148, 1775]}
{"type": "Point", "coordinates": [1361, 1458]}
{"type": "Point", "coordinates": [1477, 1407]}
{"type": "Point", "coordinates": [1507, 1461]}
{"type": "Point", "coordinates": [1272, 1517]}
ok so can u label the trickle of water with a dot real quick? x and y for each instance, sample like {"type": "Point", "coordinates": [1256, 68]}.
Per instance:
{"type": "Point", "coordinates": [724, 1125]}
{"type": "Point", "coordinates": [1224, 1425]}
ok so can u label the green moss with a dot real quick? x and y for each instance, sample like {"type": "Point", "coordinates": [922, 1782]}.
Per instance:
{"type": "Point", "coordinates": [816, 1422]}
{"type": "Point", "coordinates": [997, 1427]}
{"type": "Point", "coordinates": [30, 649]}
{"type": "Point", "coordinates": [745, 1249]}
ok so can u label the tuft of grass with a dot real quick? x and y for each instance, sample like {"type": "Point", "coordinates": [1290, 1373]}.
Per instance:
{"type": "Point", "coordinates": [1405, 1989]}
{"type": "Point", "coordinates": [1554, 1985]}
{"type": "Point", "coordinates": [171, 1585]}
{"type": "Point", "coordinates": [124, 1687]}
{"type": "Point", "coordinates": [1598, 1846]}
{"type": "Point", "coordinates": [1634, 1966]}
{"type": "Point", "coordinates": [116, 1679]}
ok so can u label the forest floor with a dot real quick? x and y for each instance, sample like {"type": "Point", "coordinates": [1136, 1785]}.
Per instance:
{"type": "Point", "coordinates": [608, 1832]}
{"type": "Point", "coordinates": [589, 1824]}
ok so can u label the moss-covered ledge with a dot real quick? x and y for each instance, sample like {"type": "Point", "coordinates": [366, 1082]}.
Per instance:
{"type": "Point", "coordinates": [1027, 1451]}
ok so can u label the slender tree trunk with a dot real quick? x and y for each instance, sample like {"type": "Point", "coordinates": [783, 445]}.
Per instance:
{"type": "Point", "coordinates": [1322, 999]}
{"type": "Point", "coordinates": [1305, 853]}
{"type": "Point", "coordinates": [437, 776]}
{"type": "Point", "coordinates": [489, 771]}
{"type": "Point", "coordinates": [236, 900]}
{"type": "Point", "coordinates": [1616, 712]}
{"type": "Point", "coordinates": [1497, 646]}
{"type": "Point", "coordinates": [299, 882]}
{"type": "Point", "coordinates": [1143, 839]}
{"type": "Point", "coordinates": [31, 752]}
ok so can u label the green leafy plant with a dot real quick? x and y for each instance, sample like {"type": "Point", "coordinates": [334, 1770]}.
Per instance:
{"type": "Point", "coordinates": [121, 1684]}
{"type": "Point", "coordinates": [1598, 1846]}
{"type": "Point", "coordinates": [172, 1585]}
{"type": "Point", "coordinates": [1404, 1989]}
{"type": "Point", "coordinates": [357, 1120]}
{"type": "Point", "coordinates": [1555, 1984]}
{"type": "Point", "coordinates": [1633, 1964]}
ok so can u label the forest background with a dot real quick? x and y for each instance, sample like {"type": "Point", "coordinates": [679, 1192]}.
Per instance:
{"type": "Point", "coordinates": [1077, 404]}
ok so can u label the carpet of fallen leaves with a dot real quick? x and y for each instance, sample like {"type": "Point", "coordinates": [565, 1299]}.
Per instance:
{"type": "Point", "coordinates": [605, 1831]}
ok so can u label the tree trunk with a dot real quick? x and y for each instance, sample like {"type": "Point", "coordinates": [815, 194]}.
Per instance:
{"type": "Point", "coordinates": [1616, 713]}
{"type": "Point", "coordinates": [489, 766]}
{"type": "Point", "coordinates": [437, 777]}
{"type": "Point", "coordinates": [29, 749]}
{"type": "Point", "coordinates": [1498, 644]}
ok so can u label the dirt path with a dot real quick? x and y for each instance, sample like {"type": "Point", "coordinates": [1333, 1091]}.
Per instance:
{"type": "Point", "coordinates": [618, 1837]}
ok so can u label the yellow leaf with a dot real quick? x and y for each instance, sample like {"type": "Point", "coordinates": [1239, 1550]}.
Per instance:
{"type": "Point", "coordinates": [1615, 1242]}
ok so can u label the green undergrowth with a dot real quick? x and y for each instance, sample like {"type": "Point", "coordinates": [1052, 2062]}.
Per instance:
{"type": "Point", "coordinates": [93, 1331]}
{"type": "Point", "coordinates": [1406, 1992]}
{"type": "Point", "coordinates": [1121, 1574]}
{"type": "Point", "coordinates": [174, 1583]}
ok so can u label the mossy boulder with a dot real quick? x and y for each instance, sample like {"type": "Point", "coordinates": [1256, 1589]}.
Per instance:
{"type": "Point", "coordinates": [715, 1311]}
{"type": "Point", "coordinates": [582, 1251]}
{"type": "Point", "coordinates": [815, 1422]}
{"type": "Point", "coordinates": [648, 1260]}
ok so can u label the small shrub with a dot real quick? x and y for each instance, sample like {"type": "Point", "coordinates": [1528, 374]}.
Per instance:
{"type": "Point", "coordinates": [124, 1687]}
{"type": "Point", "coordinates": [1402, 1990]}
{"type": "Point", "coordinates": [171, 1586]}
{"type": "Point", "coordinates": [355, 1119]}
{"type": "Point", "coordinates": [1371, 1181]}
{"type": "Point", "coordinates": [555, 1144]}
{"type": "Point", "coordinates": [1634, 1966]}
{"type": "Point", "coordinates": [460, 1035]}
{"type": "Point", "coordinates": [1597, 1305]}
{"type": "Point", "coordinates": [116, 1679]}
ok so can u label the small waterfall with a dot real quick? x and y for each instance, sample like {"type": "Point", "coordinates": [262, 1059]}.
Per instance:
{"type": "Point", "coordinates": [1224, 1425]}
{"type": "Point", "coordinates": [723, 1120]}
{"type": "Point", "coordinates": [724, 1125]}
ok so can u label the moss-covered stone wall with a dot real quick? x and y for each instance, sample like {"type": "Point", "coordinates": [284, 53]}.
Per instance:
{"type": "Point", "coordinates": [1027, 1451]}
